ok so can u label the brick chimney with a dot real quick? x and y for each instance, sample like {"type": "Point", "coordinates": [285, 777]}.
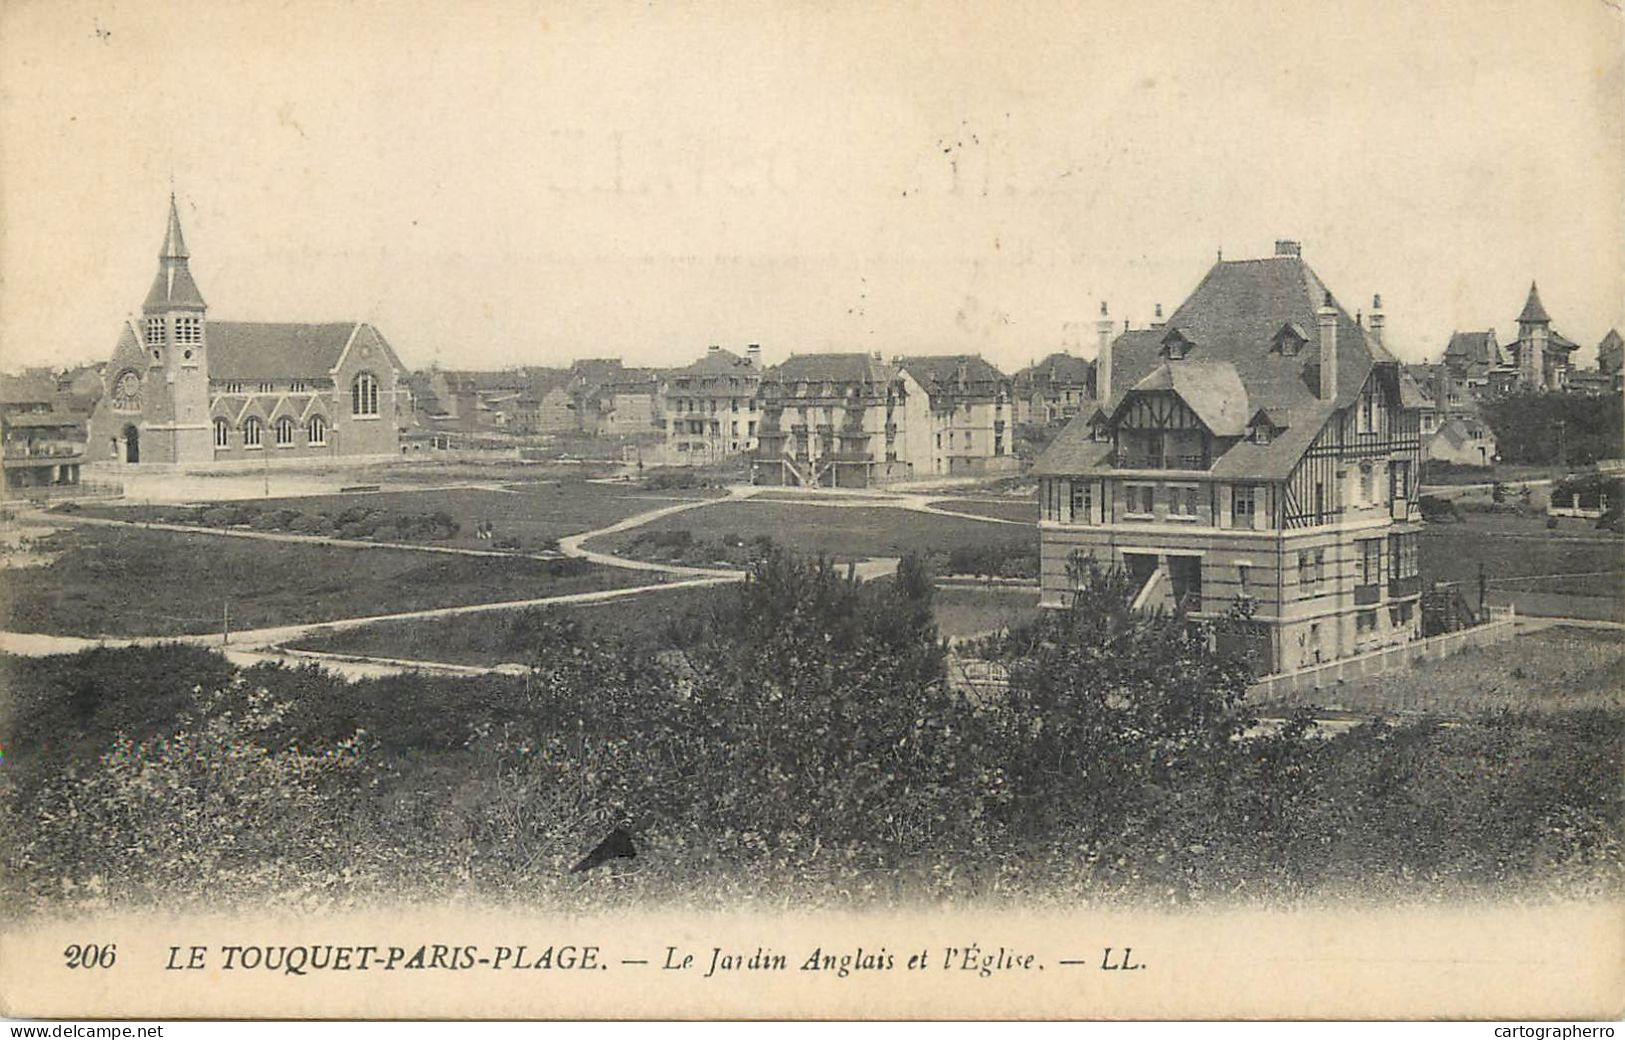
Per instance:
{"type": "Point", "coordinates": [1157, 322]}
{"type": "Point", "coordinates": [1287, 247]}
{"type": "Point", "coordinates": [1103, 356]}
{"type": "Point", "coordinates": [713, 348]}
{"type": "Point", "coordinates": [753, 355]}
{"type": "Point", "coordinates": [1377, 319]}
{"type": "Point", "coordinates": [1326, 319]}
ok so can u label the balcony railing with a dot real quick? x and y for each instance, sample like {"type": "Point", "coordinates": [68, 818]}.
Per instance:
{"type": "Point", "coordinates": [1129, 460]}
{"type": "Point", "coordinates": [26, 450]}
{"type": "Point", "coordinates": [1399, 588]}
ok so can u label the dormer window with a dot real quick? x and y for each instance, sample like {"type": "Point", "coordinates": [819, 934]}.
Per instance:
{"type": "Point", "coordinates": [1261, 434]}
{"type": "Point", "coordinates": [1289, 339]}
{"type": "Point", "coordinates": [1175, 345]}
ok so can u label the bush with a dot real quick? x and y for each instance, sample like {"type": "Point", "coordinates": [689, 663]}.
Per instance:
{"type": "Point", "coordinates": [1436, 509]}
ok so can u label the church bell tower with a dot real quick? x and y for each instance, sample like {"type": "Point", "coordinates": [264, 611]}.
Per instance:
{"type": "Point", "coordinates": [174, 335]}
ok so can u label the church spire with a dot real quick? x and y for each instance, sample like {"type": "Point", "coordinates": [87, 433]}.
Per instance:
{"type": "Point", "coordinates": [173, 289]}
{"type": "Point", "coordinates": [174, 241]}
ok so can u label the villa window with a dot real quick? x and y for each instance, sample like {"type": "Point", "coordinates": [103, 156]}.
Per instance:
{"type": "Point", "coordinates": [251, 433]}
{"type": "Point", "coordinates": [284, 432]}
{"type": "Point", "coordinates": [364, 395]}
{"type": "Point", "coordinates": [1082, 501]}
{"type": "Point", "coordinates": [1182, 501]}
{"type": "Point", "coordinates": [222, 434]}
{"type": "Point", "coordinates": [1243, 504]}
{"type": "Point", "coordinates": [267, 387]}
{"type": "Point", "coordinates": [1368, 564]}
{"type": "Point", "coordinates": [316, 430]}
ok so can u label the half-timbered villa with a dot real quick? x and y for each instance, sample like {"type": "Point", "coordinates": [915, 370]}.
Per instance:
{"type": "Point", "coordinates": [1260, 446]}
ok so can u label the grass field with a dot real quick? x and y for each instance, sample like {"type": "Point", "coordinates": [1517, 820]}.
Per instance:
{"type": "Point", "coordinates": [1024, 510]}
{"type": "Point", "coordinates": [841, 533]}
{"type": "Point", "coordinates": [134, 582]}
{"type": "Point", "coordinates": [653, 619]}
{"type": "Point", "coordinates": [1573, 571]}
{"type": "Point", "coordinates": [529, 516]}
{"type": "Point", "coordinates": [500, 638]}
{"type": "Point", "coordinates": [1562, 668]}
{"type": "Point", "coordinates": [966, 611]}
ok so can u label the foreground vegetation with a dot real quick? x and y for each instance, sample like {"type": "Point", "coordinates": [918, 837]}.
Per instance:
{"type": "Point", "coordinates": [802, 743]}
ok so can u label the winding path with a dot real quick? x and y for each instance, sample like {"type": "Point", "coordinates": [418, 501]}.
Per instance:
{"type": "Point", "coordinates": [249, 646]}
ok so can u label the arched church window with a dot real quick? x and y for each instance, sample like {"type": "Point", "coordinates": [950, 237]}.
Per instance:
{"type": "Point", "coordinates": [222, 433]}
{"type": "Point", "coordinates": [251, 433]}
{"type": "Point", "coordinates": [317, 430]}
{"type": "Point", "coordinates": [364, 395]}
{"type": "Point", "coordinates": [127, 392]}
{"type": "Point", "coordinates": [284, 431]}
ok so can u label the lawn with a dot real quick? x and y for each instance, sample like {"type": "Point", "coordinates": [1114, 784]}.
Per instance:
{"type": "Point", "coordinates": [653, 619]}
{"type": "Point", "coordinates": [1022, 509]}
{"type": "Point", "coordinates": [493, 639]}
{"type": "Point", "coordinates": [841, 533]}
{"type": "Point", "coordinates": [1563, 668]}
{"type": "Point", "coordinates": [966, 611]}
{"type": "Point", "coordinates": [1573, 571]}
{"type": "Point", "coordinates": [130, 581]}
{"type": "Point", "coordinates": [527, 517]}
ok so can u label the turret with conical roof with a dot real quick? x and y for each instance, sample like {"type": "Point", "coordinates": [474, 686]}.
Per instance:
{"type": "Point", "coordinates": [1534, 329]}
{"type": "Point", "coordinates": [1533, 312]}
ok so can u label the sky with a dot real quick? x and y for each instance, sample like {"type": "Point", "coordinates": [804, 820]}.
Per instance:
{"type": "Point", "coordinates": [495, 183]}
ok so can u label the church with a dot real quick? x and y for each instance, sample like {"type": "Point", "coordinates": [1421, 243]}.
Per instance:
{"type": "Point", "coordinates": [182, 388]}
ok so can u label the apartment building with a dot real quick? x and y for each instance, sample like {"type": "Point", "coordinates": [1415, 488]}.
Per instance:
{"type": "Point", "coordinates": [840, 420]}
{"type": "Point", "coordinates": [1260, 446]}
{"type": "Point", "coordinates": [971, 413]}
{"type": "Point", "coordinates": [711, 408]}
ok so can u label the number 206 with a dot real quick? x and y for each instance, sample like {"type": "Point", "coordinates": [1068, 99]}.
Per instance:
{"type": "Point", "coordinates": [91, 955]}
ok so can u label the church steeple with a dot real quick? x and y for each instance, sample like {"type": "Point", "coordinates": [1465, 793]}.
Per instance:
{"type": "Point", "coordinates": [174, 241]}
{"type": "Point", "coordinates": [173, 289]}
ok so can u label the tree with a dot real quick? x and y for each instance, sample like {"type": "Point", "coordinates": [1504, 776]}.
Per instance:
{"type": "Point", "coordinates": [1109, 707]}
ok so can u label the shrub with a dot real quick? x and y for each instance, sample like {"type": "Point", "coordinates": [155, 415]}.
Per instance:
{"type": "Point", "coordinates": [1436, 509]}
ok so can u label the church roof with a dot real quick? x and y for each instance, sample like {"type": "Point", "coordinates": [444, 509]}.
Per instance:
{"type": "Point", "coordinates": [1533, 312]}
{"type": "Point", "coordinates": [251, 351]}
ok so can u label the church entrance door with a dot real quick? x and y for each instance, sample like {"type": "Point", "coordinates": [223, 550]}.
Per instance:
{"type": "Point", "coordinates": [132, 444]}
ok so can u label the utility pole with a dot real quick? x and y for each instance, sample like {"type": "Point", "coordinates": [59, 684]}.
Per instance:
{"type": "Point", "coordinates": [225, 622]}
{"type": "Point", "coordinates": [1562, 446]}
